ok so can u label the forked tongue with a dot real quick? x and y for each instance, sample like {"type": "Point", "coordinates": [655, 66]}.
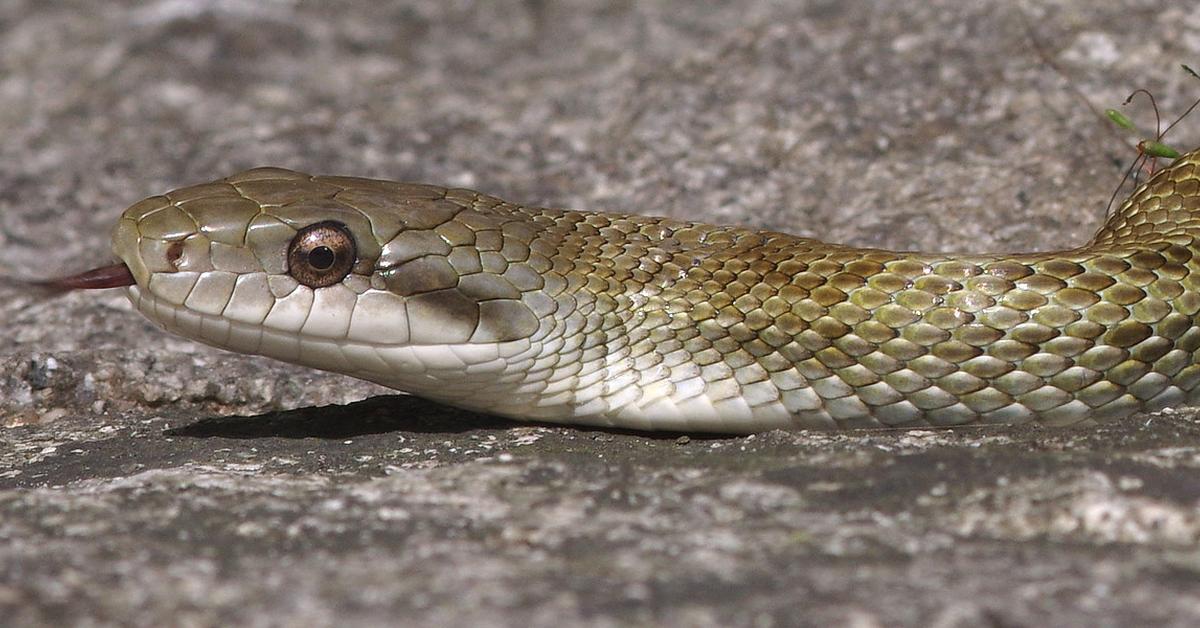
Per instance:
{"type": "Point", "coordinates": [114, 276]}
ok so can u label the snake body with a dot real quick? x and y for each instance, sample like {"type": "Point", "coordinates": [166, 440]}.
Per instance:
{"type": "Point", "coordinates": [650, 323]}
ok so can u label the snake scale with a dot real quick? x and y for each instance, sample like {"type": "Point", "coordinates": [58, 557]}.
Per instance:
{"type": "Point", "coordinates": [649, 323]}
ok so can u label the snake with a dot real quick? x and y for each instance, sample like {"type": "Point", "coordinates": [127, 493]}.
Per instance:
{"type": "Point", "coordinates": [647, 323]}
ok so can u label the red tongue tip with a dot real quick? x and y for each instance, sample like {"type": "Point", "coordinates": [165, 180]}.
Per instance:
{"type": "Point", "coordinates": [114, 276]}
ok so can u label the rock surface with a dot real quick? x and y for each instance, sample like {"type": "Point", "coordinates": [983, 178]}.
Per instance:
{"type": "Point", "coordinates": [145, 480]}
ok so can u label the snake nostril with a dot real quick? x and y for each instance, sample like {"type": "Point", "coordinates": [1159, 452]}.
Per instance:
{"type": "Point", "coordinates": [174, 254]}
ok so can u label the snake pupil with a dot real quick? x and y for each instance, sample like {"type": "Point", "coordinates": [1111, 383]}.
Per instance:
{"type": "Point", "coordinates": [321, 258]}
{"type": "Point", "coordinates": [321, 254]}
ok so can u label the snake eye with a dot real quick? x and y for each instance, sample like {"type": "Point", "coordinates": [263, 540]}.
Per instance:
{"type": "Point", "coordinates": [321, 254]}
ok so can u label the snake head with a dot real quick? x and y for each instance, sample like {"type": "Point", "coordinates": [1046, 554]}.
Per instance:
{"type": "Point", "coordinates": [364, 277]}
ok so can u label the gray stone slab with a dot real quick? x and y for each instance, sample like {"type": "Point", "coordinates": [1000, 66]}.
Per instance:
{"type": "Point", "coordinates": [145, 480]}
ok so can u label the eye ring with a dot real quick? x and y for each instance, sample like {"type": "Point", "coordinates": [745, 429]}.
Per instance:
{"type": "Point", "coordinates": [322, 254]}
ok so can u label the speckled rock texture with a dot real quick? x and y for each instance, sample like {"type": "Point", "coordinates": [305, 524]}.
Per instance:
{"type": "Point", "coordinates": [148, 481]}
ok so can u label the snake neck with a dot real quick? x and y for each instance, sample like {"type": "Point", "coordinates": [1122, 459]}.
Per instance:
{"type": "Point", "coordinates": [671, 325]}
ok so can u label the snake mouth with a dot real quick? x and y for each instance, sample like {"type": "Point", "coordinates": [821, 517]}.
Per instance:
{"type": "Point", "coordinates": [112, 276]}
